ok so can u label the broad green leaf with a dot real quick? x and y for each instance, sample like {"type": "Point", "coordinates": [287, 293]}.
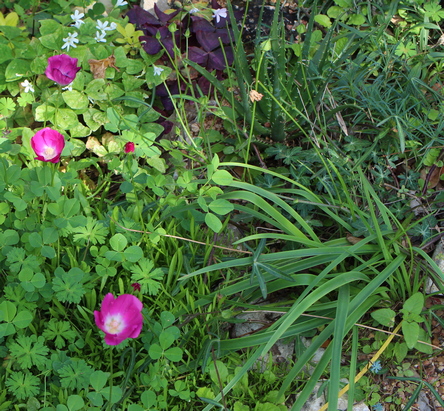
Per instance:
{"type": "Point", "coordinates": [323, 20]}
{"type": "Point", "coordinates": [155, 351]}
{"type": "Point", "coordinates": [133, 253]}
{"type": "Point", "coordinates": [75, 402]}
{"type": "Point", "coordinates": [356, 19]}
{"type": "Point", "coordinates": [98, 379]}
{"type": "Point", "coordinates": [167, 319]}
{"type": "Point", "coordinates": [427, 349]}
{"type": "Point", "coordinates": [400, 351]}
{"type": "Point", "coordinates": [65, 118]}
{"type": "Point", "coordinates": [17, 69]}
{"type": "Point", "coordinates": [75, 99]}
{"type": "Point", "coordinates": [23, 319]}
{"type": "Point", "coordinates": [118, 242]}
{"type": "Point", "coordinates": [48, 251]}
{"type": "Point", "coordinates": [218, 370]}
{"type": "Point", "coordinates": [166, 339]}
{"type": "Point", "coordinates": [213, 222]}
{"type": "Point", "coordinates": [174, 354]}
{"type": "Point", "coordinates": [221, 206]}
{"type": "Point", "coordinates": [7, 311]}
{"type": "Point", "coordinates": [335, 11]}
{"type": "Point", "coordinates": [35, 240]}
{"type": "Point", "coordinates": [411, 333]}
{"type": "Point", "coordinates": [149, 399]}
{"type": "Point", "coordinates": [222, 177]}
{"type": "Point", "coordinates": [384, 316]}
{"type": "Point", "coordinates": [414, 304]}
{"type": "Point", "coordinates": [44, 112]}
{"type": "Point", "coordinates": [116, 393]}
{"type": "Point", "coordinates": [344, 3]}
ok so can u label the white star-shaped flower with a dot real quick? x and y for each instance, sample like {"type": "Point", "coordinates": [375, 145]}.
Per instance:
{"type": "Point", "coordinates": [28, 86]}
{"type": "Point", "coordinates": [194, 10]}
{"type": "Point", "coordinates": [70, 41]}
{"type": "Point", "coordinates": [218, 13]}
{"type": "Point", "coordinates": [157, 70]}
{"type": "Point", "coordinates": [103, 26]}
{"type": "Point", "coordinates": [77, 17]}
{"type": "Point", "coordinates": [112, 26]}
{"type": "Point", "coordinates": [120, 3]}
{"type": "Point", "coordinates": [100, 36]}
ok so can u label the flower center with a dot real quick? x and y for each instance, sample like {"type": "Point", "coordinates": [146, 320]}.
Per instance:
{"type": "Point", "coordinates": [49, 153]}
{"type": "Point", "coordinates": [114, 324]}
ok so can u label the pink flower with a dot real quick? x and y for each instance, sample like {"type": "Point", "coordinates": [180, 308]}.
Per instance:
{"type": "Point", "coordinates": [136, 286]}
{"type": "Point", "coordinates": [119, 318]}
{"type": "Point", "coordinates": [48, 145]}
{"type": "Point", "coordinates": [129, 148]}
{"type": "Point", "coordinates": [62, 69]}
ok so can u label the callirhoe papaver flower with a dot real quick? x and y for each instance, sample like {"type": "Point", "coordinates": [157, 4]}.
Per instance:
{"type": "Point", "coordinates": [129, 147]}
{"type": "Point", "coordinates": [119, 318]}
{"type": "Point", "coordinates": [62, 69]}
{"type": "Point", "coordinates": [48, 144]}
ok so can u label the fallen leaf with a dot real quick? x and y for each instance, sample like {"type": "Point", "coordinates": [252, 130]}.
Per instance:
{"type": "Point", "coordinates": [353, 240]}
{"type": "Point", "coordinates": [98, 67]}
{"type": "Point", "coordinates": [255, 96]}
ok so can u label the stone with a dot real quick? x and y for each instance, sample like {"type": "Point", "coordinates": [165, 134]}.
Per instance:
{"type": "Point", "coordinates": [438, 257]}
{"type": "Point", "coordinates": [316, 402]}
{"type": "Point", "coordinates": [281, 353]}
{"type": "Point", "coordinates": [148, 5]}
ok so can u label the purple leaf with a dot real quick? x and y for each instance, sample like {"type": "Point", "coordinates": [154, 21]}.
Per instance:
{"type": "Point", "coordinates": [201, 24]}
{"type": "Point", "coordinates": [209, 41]}
{"type": "Point", "coordinates": [150, 44]}
{"type": "Point", "coordinates": [219, 58]}
{"type": "Point", "coordinates": [164, 17]}
{"type": "Point", "coordinates": [139, 17]}
{"type": "Point", "coordinates": [198, 55]}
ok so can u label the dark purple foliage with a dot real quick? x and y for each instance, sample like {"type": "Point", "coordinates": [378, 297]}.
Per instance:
{"type": "Point", "coordinates": [204, 45]}
{"type": "Point", "coordinates": [208, 45]}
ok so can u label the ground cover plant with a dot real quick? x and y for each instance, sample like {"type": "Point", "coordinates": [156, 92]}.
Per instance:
{"type": "Point", "coordinates": [159, 176]}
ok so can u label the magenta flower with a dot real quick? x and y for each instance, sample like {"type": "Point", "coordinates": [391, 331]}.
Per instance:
{"type": "Point", "coordinates": [119, 318]}
{"type": "Point", "coordinates": [48, 144]}
{"type": "Point", "coordinates": [62, 69]}
{"type": "Point", "coordinates": [129, 147]}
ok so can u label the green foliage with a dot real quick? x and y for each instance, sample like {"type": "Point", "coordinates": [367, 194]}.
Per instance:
{"type": "Point", "coordinates": [29, 351]}
{"type": "Point", "coordinates": [322, 232]}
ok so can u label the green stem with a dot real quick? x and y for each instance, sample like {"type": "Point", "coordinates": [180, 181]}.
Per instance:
{"type": "Point", "coordinates": [110, 379]}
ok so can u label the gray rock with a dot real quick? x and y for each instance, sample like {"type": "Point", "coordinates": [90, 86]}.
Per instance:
{"type": "Point", "coordinates": [315, 402]}
{"type": "Point", "coordinates": [148, 5]}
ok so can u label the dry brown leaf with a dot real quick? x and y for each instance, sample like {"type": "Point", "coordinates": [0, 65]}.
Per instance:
{"type": "Point", "coordinates": [353, 240]}
{"type": "Point", "coordinates": [434, 177]}
{"type": "Point", "coordinates": [98, 67]}
{"type": "Point", "coordinates": [396, 19]}
{"type": "Point", "coordinates": [255, 96]}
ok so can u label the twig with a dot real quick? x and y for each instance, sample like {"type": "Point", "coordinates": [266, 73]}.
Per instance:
{"type": "Point", "coordinates": [180, 238]}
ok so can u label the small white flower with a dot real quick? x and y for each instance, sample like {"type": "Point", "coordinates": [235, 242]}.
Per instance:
{"type": "Point", "coordinates": [77, 17]}
{"type": "Point", "coordinates": [68, 87]}
{"type": "Point", "coordinates": [157, 70]}
{"type": "Point", "coordinates": [194, 10]}
{"type": "Point", "coordinates": [28, 86]}
{"type": "Point", "coordinates": [218, 13]}
{"type": "Point", "coordinates": [120, 3]}
{"type": "Point", "coordinates": [112, 26]}
{"type": "Point", "coordinates": [70, 41]}
{"type": "Point", "coordinates": [100, 36]}
{"type": "Point", "coordinates": [104, 26]}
